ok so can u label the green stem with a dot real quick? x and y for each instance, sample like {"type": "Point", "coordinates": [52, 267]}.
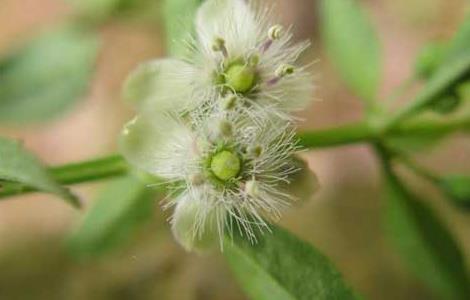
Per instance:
{"type": "Point", "coordinates": [342, 135]}
{"type": "Point", "coordinates": [86, 171]}
{"type": "Point", "coordinates": [362, 132]}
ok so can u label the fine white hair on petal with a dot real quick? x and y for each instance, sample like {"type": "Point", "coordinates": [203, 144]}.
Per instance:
{"type": "Point", "coordinates": [161, 85]}
{"type": "Point", "coordinates": [232, 20]}
{"type": "Point", "coordinates": [191, 111]}
{"type": "Point", "coordinates": [270, 169]}
{"type": "Point", "coordinates": [159, 144]}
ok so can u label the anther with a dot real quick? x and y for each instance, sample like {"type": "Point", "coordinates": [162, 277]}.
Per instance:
{"type": "Point", "coordinates": [255, 151]}
{"type": "Point", "coordinates": [281, 72]}
{"type": "Point", "coordinates": [275, 32]}
{"type": "Point", "coordinates": [219, 46]}
{"type": "Point", "coordinates": [284, 70]}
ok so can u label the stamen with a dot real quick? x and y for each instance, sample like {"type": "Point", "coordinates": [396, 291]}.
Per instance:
{"type": "Point", "coordinates": [281, 71]}
{"type": "Point", "coordinates": [274, 33]}
{"type": "Point", "coordinates": [255, 151]}
{"type": "Point", "coordinates": [251, 188]}
{"type": "Point", "coordinates": [225, 128]}
{"type": "Point", "coordinates": [219, 46]}
{"type": "Point", "coordinates": [229, 102]}
{"type": "Point", "coordinates": [284, 70]}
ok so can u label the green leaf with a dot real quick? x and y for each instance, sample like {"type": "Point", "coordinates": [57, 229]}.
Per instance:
{"type": "Point", "coordinates": [46, 76]}
{"type": "Point", "coordinates": [453, 68]}
{"type": "Point", "coordinates": [124, 205]}
{"type": "Point", "coordinates": [179, 23]}
{"type": "Point", "coordinates": [352, 45]}
{"type": "Point", "coordinates": [20, 169]}
{"type": "Point", "coordinates": [430, 58]}
{"type": "Point", "coordinates": [424, 242]}
{"type": "Point", "coordinates": [280, 266]}
{"type": "Point", "coordinates": [96, 8]}
{"type": "Point", "coordinates": [457, 188]}
{"type": "Point", "coordinates": [102, 10]}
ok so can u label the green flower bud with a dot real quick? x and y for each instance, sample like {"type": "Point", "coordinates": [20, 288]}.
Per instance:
{"type": "Point", "coordinates": [241, 78]}
{"type": "Point", "coordinates": [225, 165]}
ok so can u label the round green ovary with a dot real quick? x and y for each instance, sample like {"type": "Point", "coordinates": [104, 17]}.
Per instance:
{"type": "Point", "coordinates": [225, 165]}
{"type": "Point", "coordinates": [240, 78]}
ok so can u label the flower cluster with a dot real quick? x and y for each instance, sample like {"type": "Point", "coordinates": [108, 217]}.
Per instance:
{"type": "Point", "coordinates": [218, 124]}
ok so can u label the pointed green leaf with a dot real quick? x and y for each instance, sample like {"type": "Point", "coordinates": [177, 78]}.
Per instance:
{"type": "Point", "coordinates": [457, 188]}
{"type": "Point", "coordinates": [20, 169]}
{"type": "Point", "coordinates": [425, 243]}
{"type": "Point", "coordinates": [453, 68]}
{"type": "Point", "coordinates": [46, 76]}
{"type": "Point", "coordinates": [352, 45]}
{"type": "Point", "coordinates": [283, 267]}
{"type": "Point", "coordinates": [124, 205]}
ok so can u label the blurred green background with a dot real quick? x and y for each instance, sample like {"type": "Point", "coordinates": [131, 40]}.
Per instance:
{"type": "Point", "coordinates": [343, 219]}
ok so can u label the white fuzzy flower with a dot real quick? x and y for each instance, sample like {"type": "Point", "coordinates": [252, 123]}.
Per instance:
{"type": "Point", "coordinates": [229, 173]}
{"type": "Point", "coordinates": [237, 52]}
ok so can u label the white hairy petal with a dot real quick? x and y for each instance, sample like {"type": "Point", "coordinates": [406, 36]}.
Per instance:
{"type": "Point", "coordinates": [231, 20]}
{"type": "Point", "coordinates": [196, 223]}
{"type": "Point", "coordinates": [159, 145]}
{"type": "Point", "coordinates": [160, 85]}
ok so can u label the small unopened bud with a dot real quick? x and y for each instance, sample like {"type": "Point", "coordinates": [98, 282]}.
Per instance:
{"type": "Point", "coordinates": [284, 70]}
{"type": "Point", "coordinates": [225, 128]}
{"type": "Point", "coordinates": [252, 188]}
{"type": "Point", "coordinates": [229, 102]}
{"type": "Point", "coordinates": [275, 32]}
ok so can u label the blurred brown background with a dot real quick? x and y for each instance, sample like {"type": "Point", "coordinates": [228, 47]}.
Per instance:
{"type": "Point", "coordinates": [343, 219]}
